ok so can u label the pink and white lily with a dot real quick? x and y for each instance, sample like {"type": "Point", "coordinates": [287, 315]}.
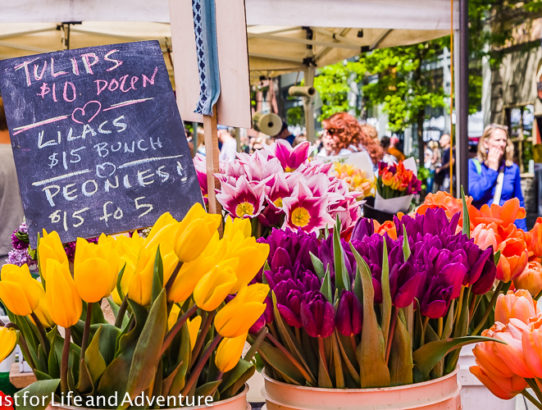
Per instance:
{"type": "Point", "coordinates": [243, 199]}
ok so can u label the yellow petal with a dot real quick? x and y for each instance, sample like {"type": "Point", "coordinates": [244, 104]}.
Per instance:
{"type": "Point", "coordinates": [173, 316]}
{"type": "Point", "coordinates": [14, 298]}
{"type": "Point", "coordinates": [193, 329]}
{"type": "Point", "coordinates": [213, 287]}
{"type": "Point", "coordinates": [60, 287]}
{"type": "Point", "coordinates": [229, 352]}
{"type": "Point", "coordinates": [8, 340]}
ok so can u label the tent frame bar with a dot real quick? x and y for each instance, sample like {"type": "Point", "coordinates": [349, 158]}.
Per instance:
{"type": "Point", "coordinates": [281, 39]}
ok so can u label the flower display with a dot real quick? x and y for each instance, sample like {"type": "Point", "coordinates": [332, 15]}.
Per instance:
{"type": "Point", "coordinates": [179, 298]}
{"type": "Point", "coordinates": [377, 310]}
{"type": "Point", "coordinates": [513, 362]}
{"type": "Point", "coordinates": [280, 187]}
{"type": "Point", "coordinates": [395, 180]}
{"type": "Point", "coordinates": [356, 179]}
{"type": "Point", "coordinates": [493, 227]}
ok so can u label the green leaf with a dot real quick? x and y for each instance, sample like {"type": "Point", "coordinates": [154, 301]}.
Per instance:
{"type": "Point", "coordinates": [496, 257]}
{"type": "Point", "coordinates": [235, 379]}
{"type": "Point", "coordinates": [348, 357]}
{"type": "Point", "coordinates": [84, 382]}
{"type": "Point", "coordinates": [119, 279]}
{"type": "Point", "coordinates": [406, 246]}
{"type": "Point", "coordinates": [158, 275]}
{"type": "Point", "coordinates": [109, 336]}
{"type": "Point", "coordinates": [386, 295]}
{"type": "Point", "coordinates": [325, 288]}
{"type": "Point", "coordinates": [427, 356]}
{"type": "Point", "coordinates": [401, 362]}
{"type": "Point", "coordinates": [207, 389]}
{"type": "Point", "coordinates": [184, 357]}
{"type": "Point", "coordinates": [275, 359]}
{"type": "Point", "coordinates": [288, 338]}
{"type": "Point", "coordinates": [466, 216]}
{"type": "Point", "coordinates": [148, 349]}
{"type": "Point", "coordinates": [93, 357]}
{"type": "Point", "coordinates": [358, 287]}
{"type": "Point", "coordinates": [371, 351]}
{"type": "Point", "coordinates": [337, 363]}
{"type": "Point", "coordinates": [342, 279]}
{"type": "Point", "coordinates": [41, 388]}
{"type": "Point", "coordinates": [318, 265]}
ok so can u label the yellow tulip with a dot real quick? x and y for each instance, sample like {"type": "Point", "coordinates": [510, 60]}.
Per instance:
{"type": "Point", "coordinates": [234, 225]}
{"type": "Point", "coordinates": [191, 273]}
{"type": "Point", "coordinates": [50, 247]}
{"type": "Point", "coordinates": [173, 316]}
{"type": "Point", "coordinates": [8, 340]}
{"type": "Point", "coordinates": [194, 232]}
{"type": "Point", "coordinates": [95, 271]}
{"type": "Point", "coordinates": [252, 255]}
{"type": "Point", "coordinates": [65, 305]}
{"type": "Point", "coordinates": [19, 292]}
{"type": "Point", "coordinates": [214, 286]}
{"type": "Point", "coordinates": [128, 249]}
{"type": "Point", "coordinates": [229, 352]}
{"type": "Point", "coordinates": [162, 233]}
{"type": "Point", "coordinates": [193, 329]}
{"type": "Point", "coordinates": [240, 313]}
{"type": "Point", "coordinates": [42, 312]}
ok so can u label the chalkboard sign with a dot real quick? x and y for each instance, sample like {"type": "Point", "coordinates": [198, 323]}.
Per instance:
{"type": "Point", "coordinates": [97, 138]}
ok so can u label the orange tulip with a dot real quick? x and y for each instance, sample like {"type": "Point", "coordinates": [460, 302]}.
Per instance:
{"type": "Point", "coordinates": [504, 216]}
{"type": "Point", "coordinates": [534, 242]}
{"type": "Point", "coordinates": [387, 227]}
{"type": "Point", "coordinates": [444, 200]}
{"type": "Point", "coordinates": [484, 236]}
{"type": "Point", "coordinates": [511, 352]}
{"type": "Point", "coordinates": [503, 387]}
{"type": "Point", "coordinates": [519, 305]}
{"type": "Point", "coordinates": [530, 279]}
{"type": "Point", "coordinates": [531, 343]}
{"type": "Point", "coordinates": [513, 260]}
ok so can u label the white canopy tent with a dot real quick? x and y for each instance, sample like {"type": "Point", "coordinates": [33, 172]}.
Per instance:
{"type": "Point", "coordinates": [283, 35]}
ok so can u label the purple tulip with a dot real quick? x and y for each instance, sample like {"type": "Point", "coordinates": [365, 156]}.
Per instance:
{"type": "Point", "coordinates": [364, 227]}
{"type": "Point", "coordinates": [289, 299]}
{"type": "Point", "coordinates": [349, 317]}
{"type": "Point", "coordinates": [317, 315]}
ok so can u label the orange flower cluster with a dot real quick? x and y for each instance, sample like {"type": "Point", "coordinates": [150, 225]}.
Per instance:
{"type": "Point", "coordinates": [504, 367]}
{"type": "Point", "coordinates": [396, 180]}
{"type": "Point", "coordinates": [355, 178]}
{"type": "Point", "coordinates": [520, 252]}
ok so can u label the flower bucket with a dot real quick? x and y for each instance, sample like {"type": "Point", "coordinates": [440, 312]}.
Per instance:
{"type": "Point", "coordinates": [442, 393]}
{"type": "Point", "coordinates": [238, 402]}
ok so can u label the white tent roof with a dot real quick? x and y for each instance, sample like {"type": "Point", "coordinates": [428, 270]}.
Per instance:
{"type": "Point", "coordinates": [278, 41]}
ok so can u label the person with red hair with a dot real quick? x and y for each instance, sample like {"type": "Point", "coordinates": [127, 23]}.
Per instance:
{"type": "Point", "coordinates": [344, 135]}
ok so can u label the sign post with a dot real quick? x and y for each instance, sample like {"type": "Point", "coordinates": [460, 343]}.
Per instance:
{"type": "Point", "coordinates": [98, 141]}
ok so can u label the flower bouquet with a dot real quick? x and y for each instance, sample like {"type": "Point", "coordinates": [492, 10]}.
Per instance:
{"type": "Point", "coordinates": [280, 187]}
{"type": "Point", "coordinates": [146, 322]}
{"type": "Point", "coordinates": [513, 363]}
{"type": "Point", "coordinates": [396, 185]}
{"type": "Point", "coordinates": [375, 311]}
{"type": "Point", "coordinates": [357, 179]}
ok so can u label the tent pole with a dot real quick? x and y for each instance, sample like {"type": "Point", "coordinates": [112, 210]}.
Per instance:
{"type": "Point", "coordinates": [211, 159]}
{"type": "Point", "coordinates": [462, 101]}
{"type": "Point", "coordinates": [308, 104]}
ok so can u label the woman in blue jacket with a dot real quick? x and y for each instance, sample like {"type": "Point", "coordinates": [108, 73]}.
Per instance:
{"type": "Point", "coordinates": [492, 173]}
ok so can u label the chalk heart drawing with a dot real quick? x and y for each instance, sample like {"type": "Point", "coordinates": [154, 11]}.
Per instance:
{"type": "Point", "coordinates": [105, 170]}
{"type": "Point", "coordinates": [87, 113]}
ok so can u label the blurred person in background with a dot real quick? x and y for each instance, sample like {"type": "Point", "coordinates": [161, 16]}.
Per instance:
{"type": "Point", "coordinates": [394, 150]}
{"type": "Point", "coordinates": [11, 207]}
{"type": "Point", "coordinates": [285, 134]}
{"type": "Point", "coordinates": [493, 176]}
{"type": "Point", "coordinates": [388, 158]}
{"type": "Point", "coordinates": [228, 148]}
{"type": "Point", "coordinates": [343, 135]}
{"type": "Point", "coordinates": [442, 173]}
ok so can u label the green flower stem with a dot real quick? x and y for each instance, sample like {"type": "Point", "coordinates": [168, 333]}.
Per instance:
{"type": "Point", "coordinates": [194, 375]}
{"type": "Point", "coordinates": [209, 316]}
{"type": "Point", "coordinates": [64, 362]}
{"type": "Point", "coordinates": [255, 344]}
{"type": "Point", "coordinates": [289, 356]}
{"type": "Point", "coordinates": [173, 276]}
{"type": "Point", "coordinates": [121, 312]}
{"type": "Point", "coordinates": [22, 343]}
{"type": "Point", "coordinates": [322, 354]}
{"type": "Point", "coordinates": [41, 332]}
{"type": "Point", "coordinates": [534, 386]}
{"type": "Point", "coordinates": [393, 325]}
{"type": "Point", "coordinates": [176, 328]}
{"type": "Point", "coordinates": [529, 397]}
{"type": "Point", "coordinates": [501, 287]}
{"type": "Point", "coordinates": [86, 331]}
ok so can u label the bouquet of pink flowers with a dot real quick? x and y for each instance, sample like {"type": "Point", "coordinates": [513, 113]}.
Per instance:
{"type": "Point", "coordinates": [280, 187]}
